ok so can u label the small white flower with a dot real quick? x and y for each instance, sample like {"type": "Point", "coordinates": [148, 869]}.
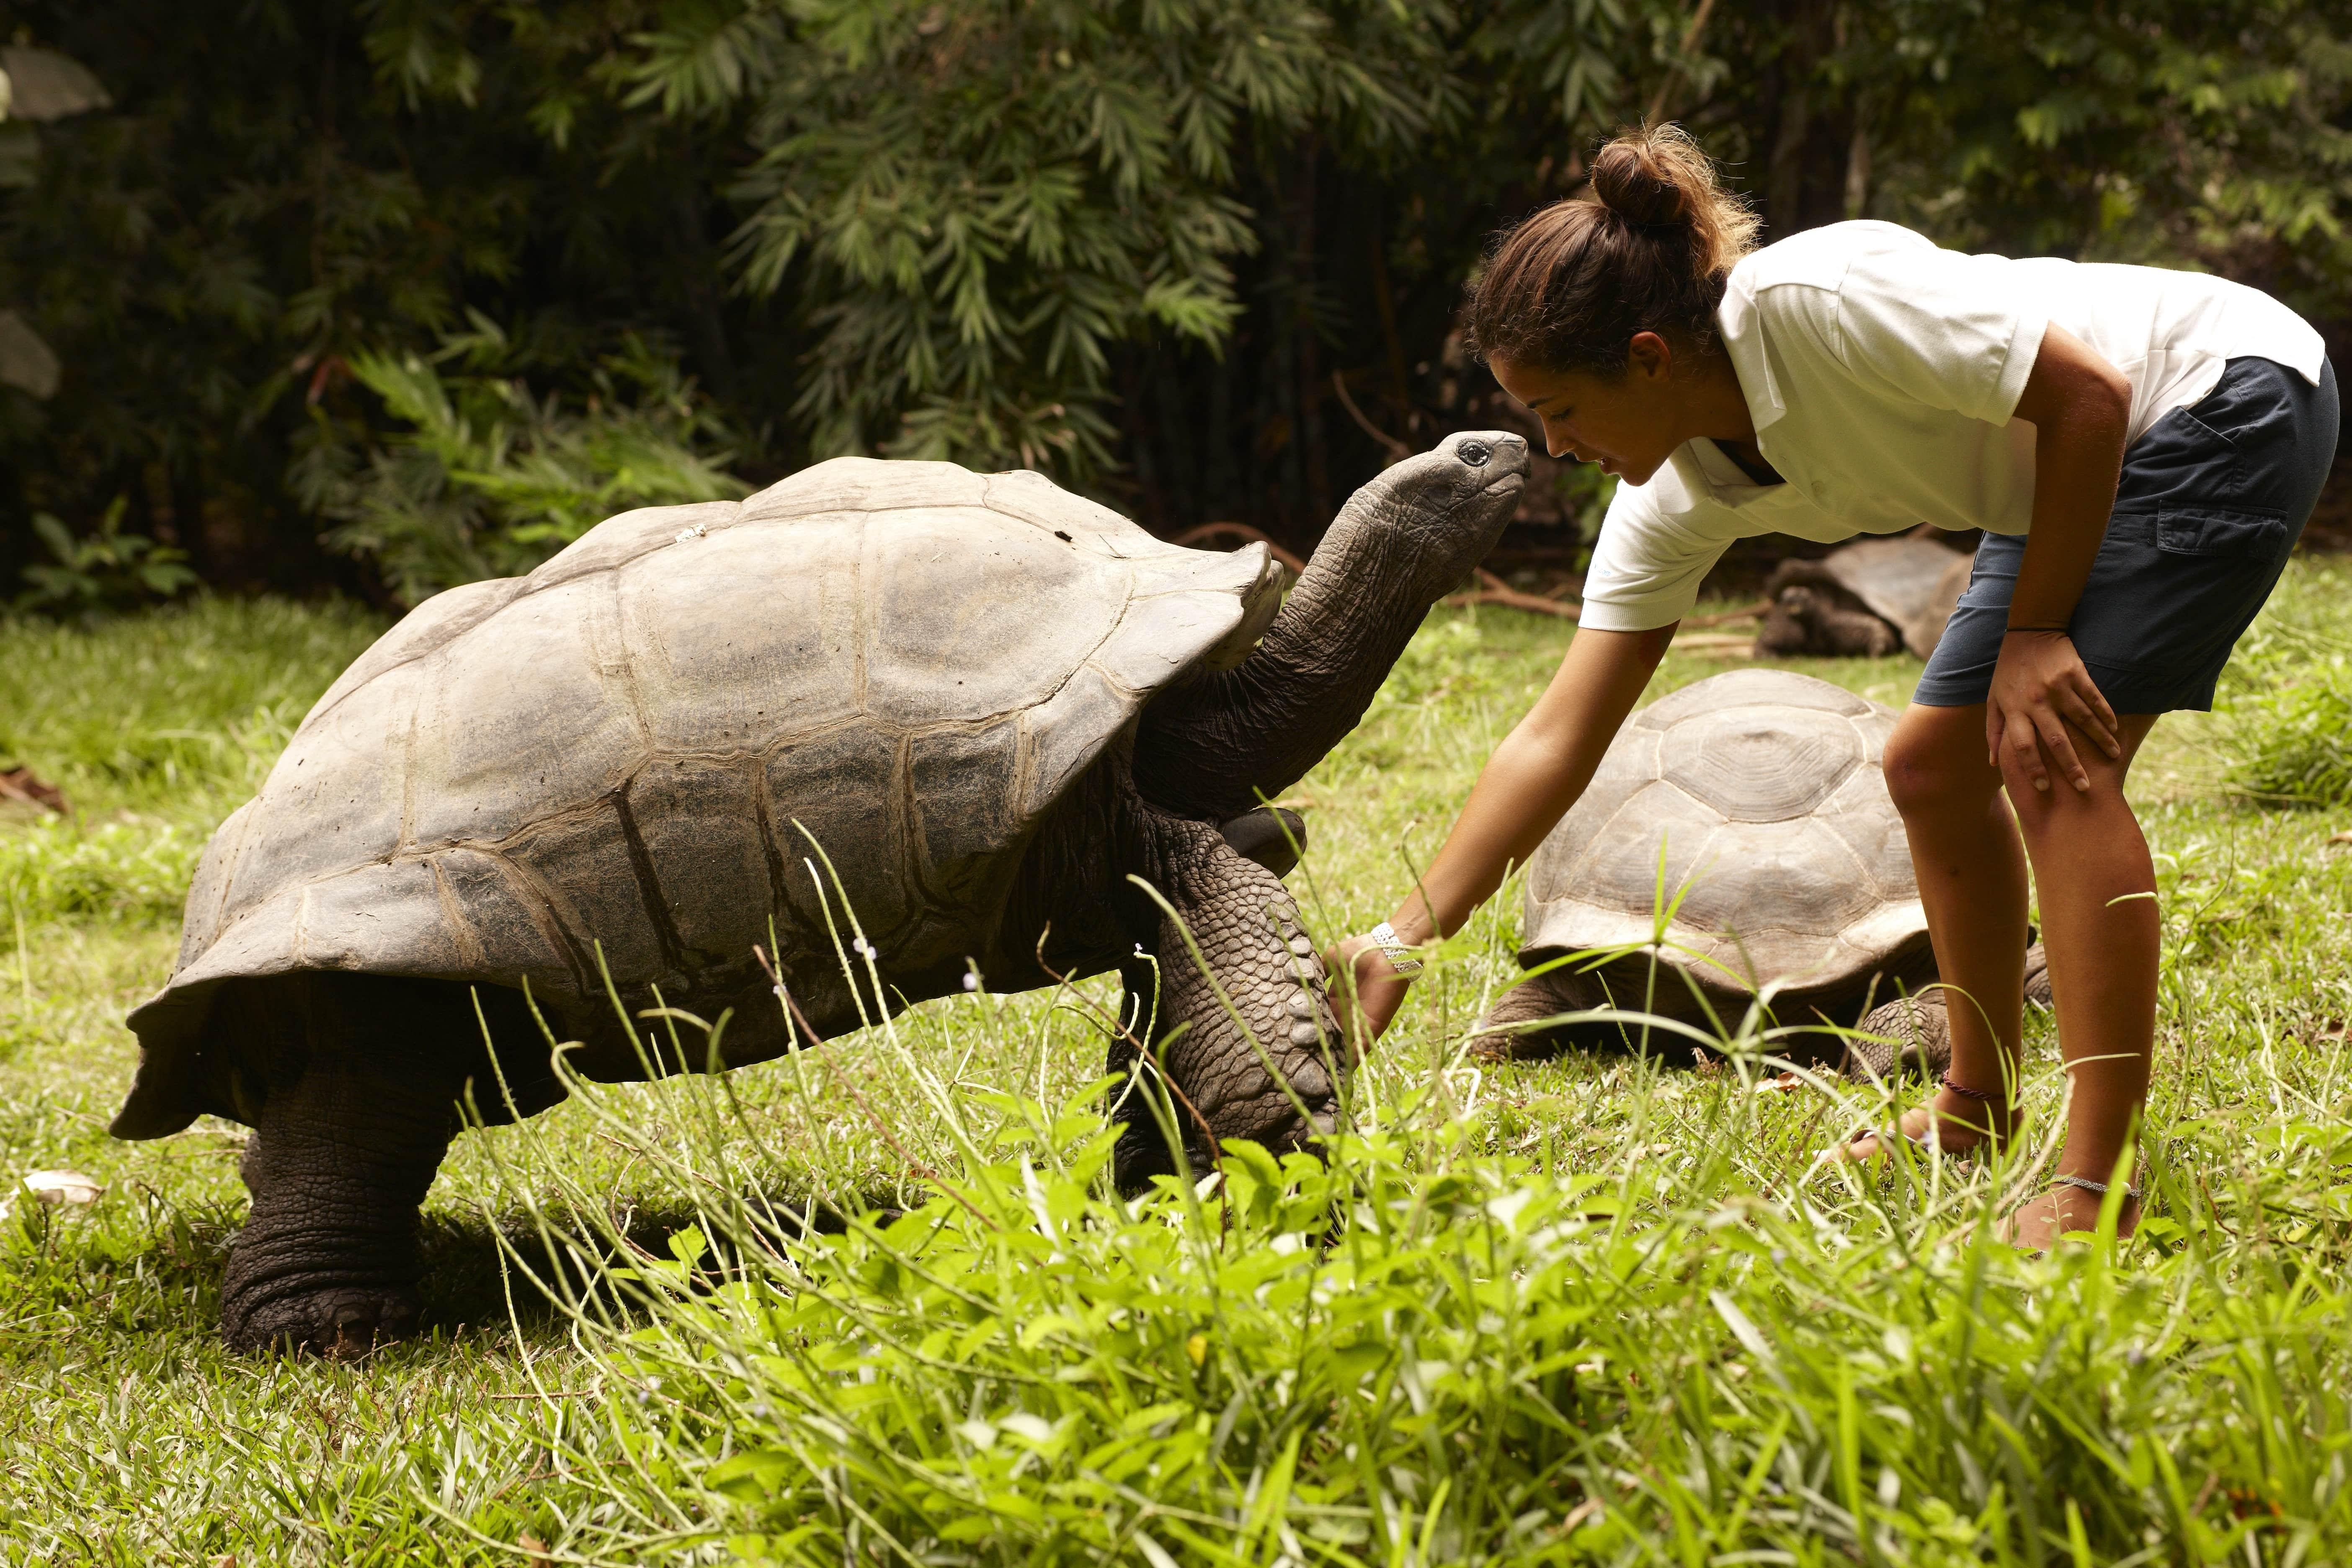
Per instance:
{"type": "Point", "coordinates": [862, 948]}
{"type": "Point", "coordinates": [972, 979]}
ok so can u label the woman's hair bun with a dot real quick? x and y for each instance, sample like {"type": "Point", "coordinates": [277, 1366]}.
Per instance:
{"type": "Point", "coordinates": [1657, 178]}
{"type": "Point", "coordinates": [1649, 251]}
{"type": "Point", "coordinates": [1635, 177]}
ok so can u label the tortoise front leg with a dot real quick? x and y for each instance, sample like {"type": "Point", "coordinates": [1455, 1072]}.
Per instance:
{"type": "Point", "coordinates": [345, 1146]}
{"type": "Point", "coordinates": [1249, 938]}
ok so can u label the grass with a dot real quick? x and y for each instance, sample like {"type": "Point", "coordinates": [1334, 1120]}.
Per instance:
{"type": "Point", "coordinates": [1596, 1310]}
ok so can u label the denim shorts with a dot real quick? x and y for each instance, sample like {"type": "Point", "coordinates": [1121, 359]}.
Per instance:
{"type": "Point", "coordinates": [2211, 500]}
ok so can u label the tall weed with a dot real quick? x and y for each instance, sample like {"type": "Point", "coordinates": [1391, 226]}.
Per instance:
{"type": "Point", "coordinates": [2292, 744]}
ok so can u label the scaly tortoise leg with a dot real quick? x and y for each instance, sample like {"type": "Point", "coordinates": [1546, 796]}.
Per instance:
{"type": "Point", "coordinates": [362, 1109]}
{"type": "Point", "coordinates": [1247, 929]}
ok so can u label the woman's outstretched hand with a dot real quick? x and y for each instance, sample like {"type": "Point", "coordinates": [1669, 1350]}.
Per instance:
{"type": "Point", "coordinates": [2038, 687]}
{"type": "Point", "coordinates": [1359, 966]}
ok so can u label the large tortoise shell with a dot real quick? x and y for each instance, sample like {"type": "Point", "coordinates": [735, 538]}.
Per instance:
{"type": "Point", "coordinates": [624, 763]}
{"type": "Point", "coordinates": [1754, 799]}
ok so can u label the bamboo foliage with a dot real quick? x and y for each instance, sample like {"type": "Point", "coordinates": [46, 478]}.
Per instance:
{"type": "Point", "coordinates": [976, 203]}
{"type": "Point", "coordinates": [1200, 257]}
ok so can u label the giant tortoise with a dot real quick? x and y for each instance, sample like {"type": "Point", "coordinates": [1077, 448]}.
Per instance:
{"type": "Point", "coordinates": [1866, 598]}
{"type": "Point", "coordinates": [1738, 835]}
{"type": "Point", "coordinates": [964, 710]}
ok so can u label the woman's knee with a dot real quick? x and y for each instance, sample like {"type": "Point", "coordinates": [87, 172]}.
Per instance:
{"type": "Point", "coordinates": [1934, 768]}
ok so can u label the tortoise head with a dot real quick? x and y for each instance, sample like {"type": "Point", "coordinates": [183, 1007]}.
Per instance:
{"type": "Point", "coordinates": [1440, 511]}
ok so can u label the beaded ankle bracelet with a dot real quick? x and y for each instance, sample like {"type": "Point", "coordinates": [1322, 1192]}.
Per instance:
{"type": "Point", "coordinates": [2089, 1186]}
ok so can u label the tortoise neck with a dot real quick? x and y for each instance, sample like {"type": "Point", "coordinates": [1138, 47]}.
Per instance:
{"type": "Point", "coordinates": [1215, 746]}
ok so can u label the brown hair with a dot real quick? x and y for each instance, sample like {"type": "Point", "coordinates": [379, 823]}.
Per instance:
{"type": "Point", "coordinates": [1647, 252]}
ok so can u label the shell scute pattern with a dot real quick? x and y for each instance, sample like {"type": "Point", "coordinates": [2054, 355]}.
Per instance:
{"type": "Point", "coordinates": [634, 746]}
{"type": "Point", "coordinates": [963, 641]}
{"type": "Point", "coordinates": [1757, 796]}
{"type": "Point", "coordinates": [727, 654]}
{"type": "Point", "coordinates": [1760, 764]}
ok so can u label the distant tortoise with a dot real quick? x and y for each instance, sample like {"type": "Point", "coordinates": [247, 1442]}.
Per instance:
{"type": "Point", "coordinates": [989, 701]}
{"type": "Point", "coordinates": [1751, 805]}
{"type": "Point", "coordinates": [1866, 598]}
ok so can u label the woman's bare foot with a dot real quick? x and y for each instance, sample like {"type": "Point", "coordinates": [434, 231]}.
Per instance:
{"type": "Point", "coordinates": [2063, 1211]}
{"type": "Point", "coordinates": [1961, 1124]}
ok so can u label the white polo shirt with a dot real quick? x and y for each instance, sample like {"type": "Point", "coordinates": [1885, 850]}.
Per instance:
{"type": "Point", "coordinates": [1882, 372]}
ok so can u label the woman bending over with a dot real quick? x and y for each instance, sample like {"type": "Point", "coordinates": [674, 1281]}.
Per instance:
{"type": "Point", "coordinates": [2140, 447]}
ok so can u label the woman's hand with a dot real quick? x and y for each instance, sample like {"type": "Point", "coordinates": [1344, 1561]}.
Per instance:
{"type": "Point", "coordinates": [1532, 779]}
{"type": "Point", "coordinates": [2080, 407]}
{"type": "Point", "coordinates": [2038, 687]}
{"type": "Point", "coordinates": [1357, 967]}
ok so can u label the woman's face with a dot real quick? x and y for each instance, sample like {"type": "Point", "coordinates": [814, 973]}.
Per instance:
{"type": "Point", "coordinates": [1629, 425]}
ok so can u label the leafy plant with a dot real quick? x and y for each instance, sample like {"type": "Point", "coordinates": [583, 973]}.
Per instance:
{"type": "Point", "coordinates": [492, 477]}
{"type": "Point", "coordinates": [108, 570]}
{"type": "Point", "coordinates": [1131, 243]}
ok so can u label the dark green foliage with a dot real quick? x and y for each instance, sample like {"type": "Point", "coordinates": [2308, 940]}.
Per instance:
{"type": "Point", "coordinates": [492, 478]}
{"type": "Point", "coordinates": [1201, 256]}
{"type": "Point", "coordinates": [2169, 131]}
{"type": "Point", "coordinates": [108, 570]}
{"type": "Point", "coordinates": [272, 200]}
{"type": "Point", "coordinates": [977, 204]}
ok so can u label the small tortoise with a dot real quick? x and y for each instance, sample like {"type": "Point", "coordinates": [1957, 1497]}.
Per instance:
{"type": "Point", "coordinates": [1866, 598]}
{"type": "Point", "coordinates": [1748, 814]}
{"type": "Point", "coordinates": [968, 707]}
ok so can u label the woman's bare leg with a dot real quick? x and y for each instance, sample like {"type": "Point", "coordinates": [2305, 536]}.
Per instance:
{"type": "Point", "coordinates": [2089, 858]}
{"type": "Point", "coordinates": [2101, 929]}
{"type": "Point", "coordinates": [1972, 868]}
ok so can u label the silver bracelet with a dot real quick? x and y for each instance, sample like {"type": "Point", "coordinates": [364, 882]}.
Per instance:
{"type": "Point", "coordinates": [1400, 957]}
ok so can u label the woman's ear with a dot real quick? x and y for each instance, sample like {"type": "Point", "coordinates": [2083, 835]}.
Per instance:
{"type": "Point", "coordinates": [1650, 357]}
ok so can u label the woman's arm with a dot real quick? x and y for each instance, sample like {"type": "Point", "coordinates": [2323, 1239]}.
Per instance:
{"type": "Point", "coordinates": [2080, 407]}
{"type": "Point", "coordinates": [1528, 786]}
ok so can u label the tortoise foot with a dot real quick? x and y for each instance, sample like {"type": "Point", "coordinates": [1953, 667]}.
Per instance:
{"type": "Point", "coordinates": [357, 1117]}
{"type": "Point", "coordinates": [1244, 1042]}
{"type": "Point", "coordinates": [340, 1323]}
{"type": "Point", "coordinates": [1911, 1034]}
{"type": "Point", "coordinates": [1514, 1029]}
{"type": "Point", "coordinates": [1247, 1106]}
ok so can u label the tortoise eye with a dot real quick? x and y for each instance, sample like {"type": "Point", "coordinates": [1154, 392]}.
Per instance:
{"type": "Point", "coordinates": [1474, 453]}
